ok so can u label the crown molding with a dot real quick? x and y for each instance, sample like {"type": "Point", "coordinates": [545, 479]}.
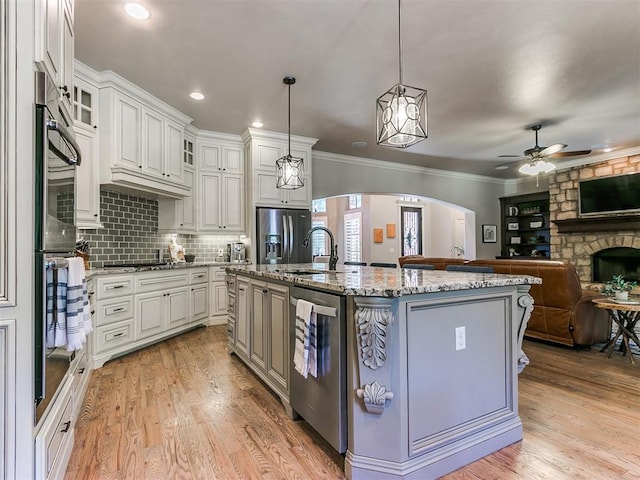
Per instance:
{"type": "Point", "coordinates": [369, 162]}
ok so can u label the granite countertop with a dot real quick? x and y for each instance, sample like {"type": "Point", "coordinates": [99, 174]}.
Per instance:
{"type": "Point", "coordinates": [158, 267]}
{"type": "Point", "coordinates": [380, 282]}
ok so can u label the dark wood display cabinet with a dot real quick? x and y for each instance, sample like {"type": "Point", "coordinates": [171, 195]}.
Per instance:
{"type": "Point", "coordinates": [525, 226]}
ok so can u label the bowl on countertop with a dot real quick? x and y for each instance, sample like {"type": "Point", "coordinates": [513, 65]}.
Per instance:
{"type": "Point", "coordinates": [189, 257]}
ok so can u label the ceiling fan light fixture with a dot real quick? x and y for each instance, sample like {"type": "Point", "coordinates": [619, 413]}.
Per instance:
{"type": "Point", "coordinates": [401, 112]}
{"type": "Point", "coordinates": [289, 169]}
{"type": "Point", "coordinates": [536, 167]}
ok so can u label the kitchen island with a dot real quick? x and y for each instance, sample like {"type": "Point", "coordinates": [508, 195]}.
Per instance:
{"type": "Point", "coordinates": [432, 358]}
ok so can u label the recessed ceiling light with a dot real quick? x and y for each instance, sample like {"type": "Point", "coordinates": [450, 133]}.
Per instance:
{"type": "Point", "coordinates": [502, 167]}
{"type": "Point", "coordinates": [257, 124]}
{"type": "Point", "coordinates": [196, 95]}
{"type": "Point", "coordinates": [137, 10]}
{"type": "Point", "coordinates": [359, 144]}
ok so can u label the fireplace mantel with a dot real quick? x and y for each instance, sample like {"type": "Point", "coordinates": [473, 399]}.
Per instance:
{"type": "Point", "coordinates": [598, 224]}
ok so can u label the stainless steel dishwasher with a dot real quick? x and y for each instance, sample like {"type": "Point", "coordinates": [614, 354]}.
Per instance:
{"type": "Point", "coordinates": [322, 400]}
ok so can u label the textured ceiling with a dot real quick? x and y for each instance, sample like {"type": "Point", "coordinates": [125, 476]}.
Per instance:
{"type": "Point", "coordinates": [491, 68]}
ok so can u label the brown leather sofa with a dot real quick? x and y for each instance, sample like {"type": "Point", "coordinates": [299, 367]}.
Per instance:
{"type": "Point", "coordinates": [563, 312]}
{"type": "Point", "coordinates": [439, 263]}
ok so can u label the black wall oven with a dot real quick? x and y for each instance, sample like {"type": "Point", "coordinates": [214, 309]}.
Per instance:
{"type": "Point", "coordinates": [56, 158]}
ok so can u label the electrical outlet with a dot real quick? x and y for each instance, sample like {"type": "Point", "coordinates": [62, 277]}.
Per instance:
{"type": "Point", "coordinates": [461, 340]}
{"type": "Point", "coordinates": [391, 250]}
{"type": "Point", "coordinates": [220, 252]}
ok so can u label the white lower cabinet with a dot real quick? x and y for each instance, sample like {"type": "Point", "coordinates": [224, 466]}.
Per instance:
{"type": "Point", "coordinates": [54, 440]}
{"type": "Point", "coordinates": [152, 306]}
{"type": "Point", "coordinates": [243, 308]}
{"type": "Point", "coordinates": [218, 295]}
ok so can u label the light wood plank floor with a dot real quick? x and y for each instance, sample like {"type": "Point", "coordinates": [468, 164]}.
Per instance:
{"type": "Point", "coordinates": [185, 409]}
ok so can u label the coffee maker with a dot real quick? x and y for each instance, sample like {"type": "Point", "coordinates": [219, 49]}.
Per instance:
{"type": "Point", "coordinates": [237, 252]}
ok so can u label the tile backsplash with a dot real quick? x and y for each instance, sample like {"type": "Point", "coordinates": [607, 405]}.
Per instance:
{"type": "Point", "coordinates": [130, 233]}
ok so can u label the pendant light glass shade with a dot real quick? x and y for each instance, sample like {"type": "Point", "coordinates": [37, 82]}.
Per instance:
{"type": "Point", "coordinates": [401, 112]}
{"type": "Point", "coordinates": [290, 172]}
{"type": "Point", "coordinates": [290, 169]}
{"type": "Point", "coordinates": [401, 116]}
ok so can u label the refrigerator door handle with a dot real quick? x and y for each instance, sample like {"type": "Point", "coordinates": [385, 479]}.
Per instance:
{"type": "Point", "coordinates": [291, 238]}
{"type": "Point", "coordinates": [286, 247]}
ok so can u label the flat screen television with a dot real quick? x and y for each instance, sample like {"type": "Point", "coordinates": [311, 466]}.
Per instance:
{"type": "Point", "coordinates": [617, 194]}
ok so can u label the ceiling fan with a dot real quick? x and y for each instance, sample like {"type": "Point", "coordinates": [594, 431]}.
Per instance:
{"type": "Point", "coordinates": [535, 156]}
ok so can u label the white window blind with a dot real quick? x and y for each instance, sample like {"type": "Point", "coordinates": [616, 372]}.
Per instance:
{"type": "Point", "coordinates": [352, 237]}
{"type": "Point", "coordinates": [319, 238]}
{"type": "Point", "coordinates": [319, 205]}
{"type": "Point", "coordinates": [355, 201]}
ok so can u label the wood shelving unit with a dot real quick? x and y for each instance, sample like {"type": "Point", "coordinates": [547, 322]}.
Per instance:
{"type": "Point", "coordinates": [524, 226]}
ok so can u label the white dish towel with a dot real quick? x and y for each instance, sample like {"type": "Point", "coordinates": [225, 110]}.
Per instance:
{"type": "Point", "coordinates": [305, 317]}
{"type": "Point", "coordinates": [78, 313]}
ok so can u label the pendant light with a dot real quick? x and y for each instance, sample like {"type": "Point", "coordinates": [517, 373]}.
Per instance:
{"type": "Point", "coordinates": [290, 170]}
{"type": "Point", "coordinates": [401, 112]}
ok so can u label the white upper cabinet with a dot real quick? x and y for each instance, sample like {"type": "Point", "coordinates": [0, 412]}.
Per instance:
{"type": "Point", "coordinates": [220, 199]}
{"type": "Point", "coordinates": [54, 47]}
{"type": "Point", "coordinates": [85, 117]}
{"type": "Point", "coordinates": [264, 149]}
{"type": "Point", "coordinates": [141, 140]}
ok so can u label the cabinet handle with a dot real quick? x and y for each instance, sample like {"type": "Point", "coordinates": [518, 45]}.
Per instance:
{"type": "Point", "coordinates": [119, 309]}
{"type": "Point", "coordinates": [112, 287]}
{"type": "Point", "coordinates": [139, 166]}
{"type": "Point", "coordinates": [200, 275]}
{"type": "Point", "coordinates": [265, 290]}
{"type": "Point", "coordinates": [65, 429]}
{"type": "Point", "coordinates": [95, 126]}
{"type": "Point", "coordinates": [81, 371]}
{"type": "Point", "coordinates": [118, 335]}
{"type": "Point", "coordinates": [95, 214]}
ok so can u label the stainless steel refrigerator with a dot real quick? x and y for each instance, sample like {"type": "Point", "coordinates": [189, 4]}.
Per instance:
{"type": "Point", "coordinates": [280, 233]}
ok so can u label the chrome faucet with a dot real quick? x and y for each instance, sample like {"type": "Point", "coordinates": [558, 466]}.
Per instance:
{"type": "Point", "coordinates": [333, 257]}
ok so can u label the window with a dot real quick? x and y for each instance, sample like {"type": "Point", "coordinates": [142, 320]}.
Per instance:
{"type": "Point", "coordinates": [355, 201]}
{"type": "Point", "coordinates": [353, 237]}
{"type": "Point", "coordinates": [319, 238]}
{"type": "Point", "coordinates": [319, 205]}
{"type": "Point", "coordinates": [411, 224]}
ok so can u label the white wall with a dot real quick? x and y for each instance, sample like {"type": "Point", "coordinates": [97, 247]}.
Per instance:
{"type": "Point", "coordinates": [438, 219]}
{"type": "Point", "coordinates": [338, 175]}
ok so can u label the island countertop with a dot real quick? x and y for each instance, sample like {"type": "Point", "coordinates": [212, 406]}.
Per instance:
{"type": "Point", "coordinates": [379, 281]}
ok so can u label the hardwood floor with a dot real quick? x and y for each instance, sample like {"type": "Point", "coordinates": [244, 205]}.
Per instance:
{"type": "Point", "coordinates": [186, 409]}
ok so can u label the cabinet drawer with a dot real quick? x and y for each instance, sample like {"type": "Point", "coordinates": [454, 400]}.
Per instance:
{"type": "Point", "coordinates": [112, 336]}
{"type": "Point", "coordinates": [62, 428]}
{"type": "Point", "coordinates": [153, 282]}
{"type": "Point", "coordinates": [114, 286]}
{"type": "Point", "coordinates": [114, 310]}
{"type": "Point", "coordinates": [198, 275]}
{"type": "Point", "coordinates": [217, 273]}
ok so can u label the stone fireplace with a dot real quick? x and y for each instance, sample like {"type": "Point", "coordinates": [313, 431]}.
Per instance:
{"type": "Point", "coordinates": [595, 245]}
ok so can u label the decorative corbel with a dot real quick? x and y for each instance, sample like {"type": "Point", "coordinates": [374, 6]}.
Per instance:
{"type": "Point", "coordinates": [372, 318]}
{"type": "Point", "coordinates": [525, 304]}
{"type": "Point", "coordinates": [374, 396]}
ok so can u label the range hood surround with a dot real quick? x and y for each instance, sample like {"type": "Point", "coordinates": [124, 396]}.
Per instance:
{"type": "Point", "coordinates": [575, 239]}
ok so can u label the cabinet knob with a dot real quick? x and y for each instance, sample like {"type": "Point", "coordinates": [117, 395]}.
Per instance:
{"type": "Point", "coordinates": [95, 126]}
{"type": "Point", "coordinates": [65, 429]}
{"type": "Point", "coordinates": [139, 166]}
